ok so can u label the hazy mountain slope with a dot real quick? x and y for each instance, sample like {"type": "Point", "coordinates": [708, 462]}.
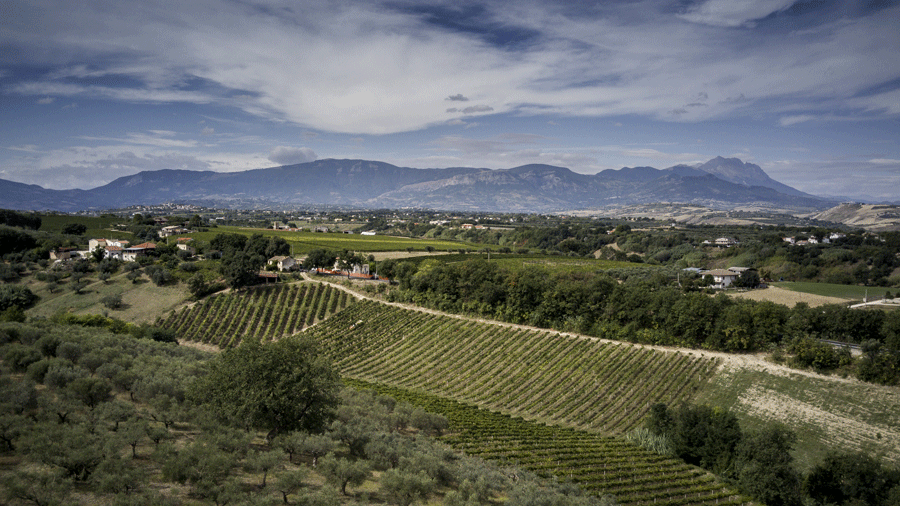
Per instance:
{"type": "Point", "coordinates": [364, 183]}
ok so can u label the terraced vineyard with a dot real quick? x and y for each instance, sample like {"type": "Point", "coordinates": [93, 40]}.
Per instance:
{"type": "Point", "coordinates": [599, 464]}
{"type": "Point", "coordinates": [598, 386]}
{"type": "Point", "coordinates": [260, 314]}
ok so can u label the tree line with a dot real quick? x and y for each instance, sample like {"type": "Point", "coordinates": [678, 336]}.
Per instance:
{"type": "Point", "coordinates": [760, 462]}
{"type": "Point", "coordinates": [651, 308]}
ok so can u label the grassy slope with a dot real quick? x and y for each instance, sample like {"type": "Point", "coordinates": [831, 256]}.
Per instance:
{"type": "Point", "coordinates": [826, 413]}
{"type": "Point", "coordinates": [143, 301]}
{"type": "Point", "coordinates": [848, 292]}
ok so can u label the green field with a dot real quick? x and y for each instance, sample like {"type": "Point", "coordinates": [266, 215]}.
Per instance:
{"type": "Point", "coordinates": [849, 292]}
{"type": "Point", "coordinates": [305, 241]}
{"type": "Point", "coordinates": [555, 263]}
{"type": "Point", "coordinates": [97, 227]}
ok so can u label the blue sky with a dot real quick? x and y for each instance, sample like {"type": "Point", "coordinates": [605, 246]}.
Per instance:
{"type": "Point", "coordinates": [92, 90]}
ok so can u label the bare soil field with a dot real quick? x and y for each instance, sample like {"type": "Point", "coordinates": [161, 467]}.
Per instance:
{"type": "Point", "coordinates": [787, 297]}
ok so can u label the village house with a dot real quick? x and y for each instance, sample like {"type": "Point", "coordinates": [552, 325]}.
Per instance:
{"type": "Point", "coordinates": [103, 243]}
{"type": "Point", "coordinates": [184, 244]}
{"type": "Point", "coordinates": [283, 263]}
{"type": "Point", "coordinates": [63, 253]}
{"type": "Point", "coordinates": [722, 278]}
{"type": "Point", "coordinates": [132, 253]}
{"type": "Point", "coordinates": [725, 242]}
{"type": "Point", "coordinates": [174, 230]}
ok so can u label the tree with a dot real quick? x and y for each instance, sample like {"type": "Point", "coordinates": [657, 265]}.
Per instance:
{"type": "Point", "coordinates": [341, 472]}
{"type": "Point", "coordinates": [289, 482]}
{"type": "Point", "coordinates": [74, 229]}
{"type": "Point", "coordinates": [240, 268]}
{"type": "Point", "coordinates": [404, 488]}
{"type": "Point", "coordinates": [283, 386]}
{"type": "Point", "coordinates": [764, 467]}
{"type": "Point", "coordinates": [264, 462]}
{"type": "Point", "coordinates": [112, 301]}
{"type": "Point", "coordinates": [319, 258]}
{"type": "Point", "coordinates": [16, 295]}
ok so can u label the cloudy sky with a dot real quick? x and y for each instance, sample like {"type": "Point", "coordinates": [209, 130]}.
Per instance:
{"type": "Point", "coordinates": [91, 90]}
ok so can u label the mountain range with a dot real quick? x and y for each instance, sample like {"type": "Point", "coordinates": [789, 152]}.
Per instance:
{"type": "Point", "coordinates": [719, 183]}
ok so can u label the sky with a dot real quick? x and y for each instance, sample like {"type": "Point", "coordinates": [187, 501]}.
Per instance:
{"type": "Point", "coordinates": [93, 90]}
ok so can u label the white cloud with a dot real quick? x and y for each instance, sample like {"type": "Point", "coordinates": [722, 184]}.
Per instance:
{"type": "Point", "coordinates": [793, 120]}
{"type": "Point", "coordinates": [284, 155]}
{"type": "Point", "coordinates": [46, 100]}
{"type": "Point", "coordinates": [734, 12]}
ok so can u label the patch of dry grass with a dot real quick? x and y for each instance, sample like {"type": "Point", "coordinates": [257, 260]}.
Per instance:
{"type": "Point", "coordinates": [785, 297]}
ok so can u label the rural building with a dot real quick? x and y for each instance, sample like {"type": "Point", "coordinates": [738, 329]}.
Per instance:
{"type": "Point", "coordinates": [103, 243]}
{"type": "Point", "coordinates": [184, 244]}
{"type": "Point", "coordinates": [283, 263]}
{"type": "Point", "coordinates": [62, 253]}
{"type": "Point", "coordinates": [725, 242]}
{"type": "Point", "coordinates": [131, 254]}
{"type": "Point", "coordinates": [116, 252]}
{"type": "Point", "coordinates": [722, 278]}
{"type": "Point", "coordinates": [173, 230]}
{"type": "Point", "coordinates": [367, 232]}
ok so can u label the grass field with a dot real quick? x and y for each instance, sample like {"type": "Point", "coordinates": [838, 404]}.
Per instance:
{"type": "Point", "coordinates": [97, 227]}
{"type": "Point", "coordinates": [143, 301]}
{"type": "Point", "coordinates": [826, 413]}
{"type": "Point", "coordinates": [555, 263]}
{"type": "Point", "coordinates": [848, 292]}
{"type": "Point", "coordinates": [305, 241]}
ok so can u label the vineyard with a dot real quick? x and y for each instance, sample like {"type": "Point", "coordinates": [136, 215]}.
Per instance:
{"type": "Point", "coordinates": [260, 314]}
{"type": "Point", "coordinates": [600, 465]}
{"type": "Point", "coordinates": [549, 403]}
{"type": "Point", "coordinates": [598, 386]}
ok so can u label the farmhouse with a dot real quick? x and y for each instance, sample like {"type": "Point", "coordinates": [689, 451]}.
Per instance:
{"type": "Point", "coordinates": [63, 253]}
{"type": "Point", "coordinates": [132, 253]}
{"type": "Point", "coordinates": [173, 230]}
{"type": "Point", "coordinates": [283, 263]}
{"type": "Point", "coordinates": [184, 244]}
{"type": "Point", "coordinates": [722, 278]}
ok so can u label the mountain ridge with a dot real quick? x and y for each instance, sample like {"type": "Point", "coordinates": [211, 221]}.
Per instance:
{"type": "Point", "coordinates": [719, 183]}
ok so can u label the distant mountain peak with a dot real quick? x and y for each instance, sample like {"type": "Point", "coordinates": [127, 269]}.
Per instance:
{"type": "Point", "coordinates": [720, 183]}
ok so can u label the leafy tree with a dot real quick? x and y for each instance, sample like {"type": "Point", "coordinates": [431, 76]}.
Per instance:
{"type": "Point", "coordinates": [17, 219]}
{"type": "Point", "coordinates": [341, 472]}
{"type": "Point", "coordinates": [850, 479]}
{"type": "Point", "coordinates": [283, 386]}
{"type": "Point", "coordinates": [16, 295]}
{"type": "Point", "coordinates": [319, 258]}
{"type": "Point", "coordinates": [764, 467]}
{"type": "Point", "coordinates": [39, 488]}
{"type": "Point", "coordinates": [13, 240]}
{"type": "Point", "coordinates": [264, 462]}
{"type": "Point", "coordinates": [91, 391]}
{"type": "Point", "coordinates": [112, 301]}
{"type": "Point", "coordinates": [75, 449]}
{"type": "Point", "coordinates": [240, 268]}
{"type": "Point", "coordinates": [404, 488]}
{"type": "Point", "coordinates": [289, 482]}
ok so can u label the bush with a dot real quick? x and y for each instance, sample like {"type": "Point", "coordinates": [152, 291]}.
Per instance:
{"type": "Point", "coordinates": [112, 301]}
{"type": "Point", "coordinates": [16, 295]}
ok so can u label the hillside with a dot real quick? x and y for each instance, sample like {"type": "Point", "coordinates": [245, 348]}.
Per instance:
{"type": "Point", "coordinates": [602, 387]}
{"type": "Point", "coordinates": [876, 218]}
{"type": "Point", "coordinates": [719, 184]}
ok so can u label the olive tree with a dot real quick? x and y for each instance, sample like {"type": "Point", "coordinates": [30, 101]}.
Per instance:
{"type": "Point", "coordinates": [281, 386]}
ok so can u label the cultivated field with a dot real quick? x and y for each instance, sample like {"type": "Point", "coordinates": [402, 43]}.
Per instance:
{"type": "Point", "coordinates": [787, 297]}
